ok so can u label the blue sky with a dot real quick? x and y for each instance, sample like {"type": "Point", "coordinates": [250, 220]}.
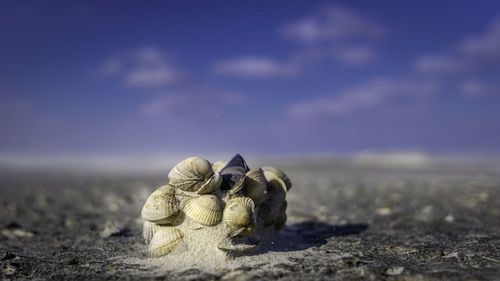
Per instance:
{"type": "Point", "coordinates": [260, 77]}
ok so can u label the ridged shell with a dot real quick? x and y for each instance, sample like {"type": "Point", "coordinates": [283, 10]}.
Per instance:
{"type": "Point", "coordinates": [255, 186]}
{"type": "Point", "coordinates": [211, 185]}
{"type": "Point", "coordinates": [164, 240]}
{"type": "Point", "coordinates": [217, 166]}
{"type": "Point", "coordinates": [148, 230]}
{"type": "Point", "coordinates": [239, 212]}
{"type": "Point", "coordinates": [191, 174]}
{"type": "Point", "coordinates": [206, 209]}
{"type": "Point", "coordinates": [161, 205]}
{"type": "Point", "coordinates": [280, 174]}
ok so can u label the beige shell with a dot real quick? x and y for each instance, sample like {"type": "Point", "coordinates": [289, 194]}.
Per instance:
{"type": "Point", "coordinates": [192, 174]}
{"type": "Point", "coordinates": [217, 166]}
{"type": "Point", "coordinates": [278, 173]}
{"type": "Point", "coordinates": [211, 185]}
{"type": "Point", "coordinates": [255, 186]}
{"type": "Point", "coordinates": [148, 230]}
{"type": "Point", "coordinates": [164, 240]}
{"type": "Point", "coordinates": [206, 209]}
{"type": "Point", "coordinates": [239, 212]}
{"type": "Point", "coordinates": [161, 205]}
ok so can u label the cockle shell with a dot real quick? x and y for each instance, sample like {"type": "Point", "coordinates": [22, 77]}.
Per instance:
{"type": "Point", "coordinates": [278, 173]}
{"type": "Point", "coordinates": [164, 240]}
{"type": "Point", "coordinates": [161, 205]}
{"type": "Point", "coordinates": [194, 174]}
{"type": "Point", "coordinates": [239, 212]}
{"type": "Point", "coordinates": [206, 209]}
{"type": "Point", "coordinates": [255, 186]}
{"type": "Point", "coordinates": [148, 230]}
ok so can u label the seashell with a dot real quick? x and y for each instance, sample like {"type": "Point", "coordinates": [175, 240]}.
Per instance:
{"type": "Point", "coordinates": [217, 166]}
{"type": "Point", "coordinates": [255, 186]}
{"type": "Point", "coordinates": [211, 185]}
{"type": "Point", "coordinates": [280, 174]}
{"type": "Point", "coordinates": [273, 206]}
{"type": "Point", "coordinates": [239, 212]}
{"type": "Point", "coordinates": [148, 230]}
{"type": "Point", "coordinates": [161, 205]}
{"type": "Point", "coordinates": [164, 240]}
{"type": "Point", "coordinates": [206, 209]}
{"type": "Point", "coordinates": [232, 173]}
{"type": "Point", "coordinates": [192, 174]}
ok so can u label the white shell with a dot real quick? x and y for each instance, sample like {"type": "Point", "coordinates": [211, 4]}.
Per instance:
{"type": "Point", "coordinates": [206, 209]}
{"type": "Point", "coordinates": [280, 174]}
{"type": "Point", "coordinates": [191, 174]}
{"type": "Point", "coordinates": [161, 205]}
{"type": "Point", "coordinates": [164, 240]}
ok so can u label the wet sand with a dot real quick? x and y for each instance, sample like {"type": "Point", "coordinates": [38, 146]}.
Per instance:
{"type": "Point", "coordinates": [346, 220]}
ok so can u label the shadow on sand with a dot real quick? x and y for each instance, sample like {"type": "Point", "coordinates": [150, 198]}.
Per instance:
{"type": "Point", "coordinates": [305, 235]}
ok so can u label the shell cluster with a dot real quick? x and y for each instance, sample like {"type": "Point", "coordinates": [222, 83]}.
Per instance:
{"type": "Point", "coordinates": [229, 197]}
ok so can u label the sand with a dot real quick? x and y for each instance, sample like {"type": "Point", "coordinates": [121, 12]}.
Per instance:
{"type": "Point", "coordinates": [346, 220]}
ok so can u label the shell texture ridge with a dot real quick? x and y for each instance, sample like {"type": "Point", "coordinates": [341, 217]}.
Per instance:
{"type": "Point", "coordinates": [206, 209]}
{"type": "Point", "coordinates": [161, 205]}
{"type": "Point", "coordinates": [191, 174]}
{"type": "Point", "coordinates": [164, 240]}
{"type": "Point", "coordinates": [255, 186]}
{"type": "Point", "coordinates": [228, 204]}
{"type": "Point", "coordinates": [239, 212]}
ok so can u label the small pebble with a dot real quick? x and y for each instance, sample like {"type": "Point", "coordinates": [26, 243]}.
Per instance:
{"type": "Point", "coordinates": [396, 270]}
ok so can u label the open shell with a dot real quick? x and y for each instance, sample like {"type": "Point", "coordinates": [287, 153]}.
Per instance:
{"type": "Point", "coordinates": [192, 174]}
{"type": "Point", "coordinates": [161, 205]}
{"type": "Point", "coordinates": [206, 209]}
{"type": "Point", "coordinates": [164, 240]}
{"type": "Point", "coordinates": [148, 230]}
{"type": "Point", "coordinates": [211, 185]}
{"type": "Point", "coordinates": [255, 186]}
{"type": "Point", "coordinates": [233, 172]}
{"type": "Point", "coordinates": [278, 173]}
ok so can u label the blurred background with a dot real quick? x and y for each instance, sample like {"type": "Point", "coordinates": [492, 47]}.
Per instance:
{"type": "Point", "coordinates": [116, 80]}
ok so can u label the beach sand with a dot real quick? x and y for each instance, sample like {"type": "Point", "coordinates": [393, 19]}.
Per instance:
{"type": "Point", "coordinates": [351, 219]}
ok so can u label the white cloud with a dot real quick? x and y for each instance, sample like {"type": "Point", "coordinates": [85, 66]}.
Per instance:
{"type": "Point", "coordinates": [475, 53]}
{"type": "Point", "coordinates": [151, 76]}
{"type": "Point", "coordinates": [374, 93]}
{"type": "Point", "coordinates": [146, 67]}
{"type": "Point", "coordinates": [332, 23]}
{"type": "Point", "coordinates": [479, 89]}
{"type": "Point", "coordinates": [440, 64]}
{"type": "Point", "coordinates": [249, 66]}
{"type": "Point", "coordinates": [485, 47]}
